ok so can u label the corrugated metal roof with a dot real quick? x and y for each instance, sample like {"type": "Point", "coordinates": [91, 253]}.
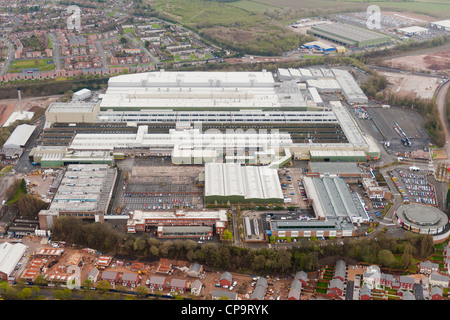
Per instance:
{"type": "Point", "coordinates": [10, 255]}
{"type": "Point", "coordinates": [19, 136]}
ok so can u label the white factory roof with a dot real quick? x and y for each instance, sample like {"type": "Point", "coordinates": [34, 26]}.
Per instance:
{"type": "Point", "coordinates": [251, 182]}
{"type": "Point", "coordinates": [217, 116]}
{"type": "Point", "coordinates": [168, 90]}
{"type": "Point", "coordinates": [443, 23]}
{"type": "Point", "coordinates": [160, 79]}
{"type": "Point", "coordinates": [74, 106]}
{"type": "Point", "coordinates": [10, 255]}
{"type": "Point", "coordinates": [349, 126]}
{"type": "Point", "coordinates": [17, 115]}
{"type": "Point", "coordinates": [352, 92]}
{"type": "Point", "coordinates": [413, 29]}
{"type": "Point", "coordinates": [19, 136]}
{"type": "Point", "coordinates": [324, 84]}
{"type": "Point", "coordinates": [315, 95]}
{"type": "Point", "coordinates": [82, 91]}
{"type": "Point", "coordinates": [178, 137]}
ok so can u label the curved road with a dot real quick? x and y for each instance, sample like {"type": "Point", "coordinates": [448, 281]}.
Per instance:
{"type": "Point", "coordinates": [440, 101]}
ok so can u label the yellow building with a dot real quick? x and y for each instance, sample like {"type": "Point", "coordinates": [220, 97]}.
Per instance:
{"type": "Point", "coordinates": [340, 49]}
{"type": "Point", "coordinates": [72, 112]}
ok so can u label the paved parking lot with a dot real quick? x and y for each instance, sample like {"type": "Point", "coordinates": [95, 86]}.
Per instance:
{"type": "Point", "coordinates": [410, 121]}
{"type": "Point", "coordinates": [291, 180]}
{"type": "Point", "coordinates": [414, 186]}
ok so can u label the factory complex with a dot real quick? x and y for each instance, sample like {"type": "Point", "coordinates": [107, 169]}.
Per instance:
{"type": "Point", "coordinates": [228, 138]}
{"type": "Point", "coordinates": [200, 117]}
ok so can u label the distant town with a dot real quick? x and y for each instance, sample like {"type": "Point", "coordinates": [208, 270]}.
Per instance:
{"type": "Point", "coordinates": [163, 164]}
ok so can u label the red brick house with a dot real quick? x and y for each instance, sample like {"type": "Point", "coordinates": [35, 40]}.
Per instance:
{"type": "Point", "coordinates": [436, 293]}
{"type": "Point", "coordinates": [225, 279]}
{"type": "Point", "coordinates": [157, 283]}
{"type": "Point", "coordinates": [365, 292]}
{"type": "Point", "coordinates": [178, 285]}
{"type": "Point", "coordinates": [111, 276]}
{"type": "Point", "coordinates": [335, 288]}
{"type": "Point", "coordinates": [130, 279]}
{"type": "Point", "coordinates": [406, 283]}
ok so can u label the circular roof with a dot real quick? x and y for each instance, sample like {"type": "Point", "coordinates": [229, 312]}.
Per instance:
{"type": "Point", "coordinates": [422, 215]}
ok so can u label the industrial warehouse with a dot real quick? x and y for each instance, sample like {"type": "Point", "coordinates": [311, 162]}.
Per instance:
{"type": "Point", "coordinates": [165, 112]}
{"type": "Point", "coordinates": [349, 35]}
{"type": "Point", "coordinates": [336, 211]}
{"type": "Point", "coordinates": [231, 182]}
{"type": "Point", "coordinates": [231, 132]}
{"type": "Point", "coordinates": [84, 191]}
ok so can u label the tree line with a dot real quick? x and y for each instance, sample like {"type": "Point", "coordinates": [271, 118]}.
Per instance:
{"type": "Point", "coordinates": [307, 255]}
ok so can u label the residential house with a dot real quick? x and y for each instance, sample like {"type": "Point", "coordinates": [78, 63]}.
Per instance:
{"type": "Point", "coordinates": [446, 253]}
{"type": "Point", "coordinates": [406, 283]}
{"type": "Point", "coordinates": [178, 285]}
{"type": "Point", "coordinates": [157, 283]}
{"type": "Point", "coordinates": [365, 292]}
{"type": "Point", "coordinates": [225, 279]}
{"type": "Point", "coordinates": [437, 279]}
{"type": "Point", "coordinates": [387, 280]}
{"type": "Point", "coordinates": [428, 267]}
{"type": "Point", "coordinates": [33, 270]}
{"type": "Point", "coordinates": [93, 275]}
{"type": "Point", "coordinates": [18, 54]}
{"type": "Point", "coordinates": [130, 279]}
{"type": "Point", "coordinates": [340, 270]}
{"type": "Point", "coordinates": [335, 288]}
{"type": "Point", "coordinates": [137, 266]}
{"type": "Point", "coordinates": [436, 293]}
{"type": "Point", "coordinates": [111, 276]}
{"type": "Point", "coordinates": [196, 287]}
{"type": "Point", "coordinates": [407, 295]}
{"type": "Point", "coordinates": [418, 291]}
{"type": "Point", "coordinates": [372, 276]}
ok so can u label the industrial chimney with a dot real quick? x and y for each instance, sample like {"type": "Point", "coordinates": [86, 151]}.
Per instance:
{"type": "Point", "coordinates": [20, 100]}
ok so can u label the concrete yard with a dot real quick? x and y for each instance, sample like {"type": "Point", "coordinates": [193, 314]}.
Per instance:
{"type": "Point", "coordinates": [412, 86]}
{"type": "Point", "coordinates": [158, 187]}
{"type": "Point", "coordinates": [411, 121]}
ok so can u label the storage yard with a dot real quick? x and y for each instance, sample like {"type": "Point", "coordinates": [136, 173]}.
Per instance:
{"type": "Point", "coordinates": [412, 86]}
{"type": "Point", "coordinates": [159, 188]}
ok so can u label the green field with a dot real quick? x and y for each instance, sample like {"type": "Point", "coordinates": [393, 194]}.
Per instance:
{"type": "Point", "coordinates": [258, 27]}
{"type": "Point", "coordinates": [41, 64]}
{"type": "Point", "coordinates": [436, 8]}
{"type": "Point", "coordinates": [230, 26]}
{"type": "Point", "coordinates": [252, 6]}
